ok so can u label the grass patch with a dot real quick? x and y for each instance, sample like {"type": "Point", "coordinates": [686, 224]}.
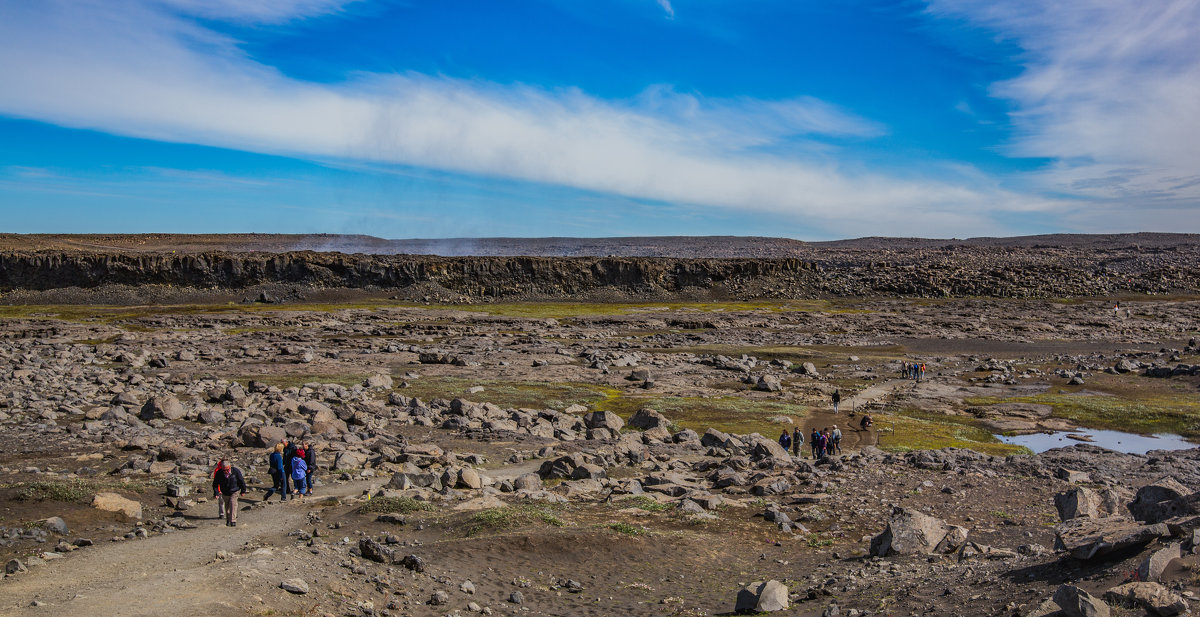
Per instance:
{"type": "Point", "coordinates": [403, 505]}
{"type": "Point", "coordinates": [495, 520]}
{"type": "Point", "coordinates": [1125, 407]}
{"type": "Point", "coordinates": [815, 541]}
{"type": "Point", "coordinates": [643, 502]}
{"type": "Point", "coordinates": [76, 490]}
{"type": "Point", "coordinates": [626, 529]}
{"type": "Point", "coordinates": [916, 429]}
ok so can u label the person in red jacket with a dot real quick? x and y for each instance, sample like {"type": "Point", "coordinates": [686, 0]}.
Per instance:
{"type": "Point", "coordinates": [228, 483]}
{"type": "Point", "coordinates": [220, 502]}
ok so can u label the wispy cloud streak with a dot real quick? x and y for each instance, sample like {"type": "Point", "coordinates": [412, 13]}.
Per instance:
{"type": "Point", "coordinates": [146, 71]}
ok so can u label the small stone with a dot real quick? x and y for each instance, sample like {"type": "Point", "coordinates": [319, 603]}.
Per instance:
{"type": "Point", "coordinates": [294, 585]}
{"type": "Point", "coordinates": [516, 597]}
{"type": "Point", "coordinates": [439, 598]}
{"type": "Point", "coordinates": [467, 587]}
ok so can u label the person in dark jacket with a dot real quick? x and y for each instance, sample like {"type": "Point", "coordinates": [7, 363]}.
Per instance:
{"type": "Point", "coordinates": [289, 452]}
{"type": "Point", "coordinates": [814, 441]}
{"type": "Point", "coordinates": [785, 440]}
{"type": "Point", "coordinates": [275, 468]}
{"type": "Point", "coordinates": [229, 483]}
{"type": "Point", "coordinates": [310, 462]}
{"type": "Point", "coordinates": [837, 398]}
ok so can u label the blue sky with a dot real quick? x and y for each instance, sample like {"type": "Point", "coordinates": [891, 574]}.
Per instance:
{"type": "Point", "coordinates": [811, 120]}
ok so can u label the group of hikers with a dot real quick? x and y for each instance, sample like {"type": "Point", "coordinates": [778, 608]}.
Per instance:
{"type": "Point", "coordinates": [291, 466]}
{"type": "Point", "coordinates": [823, 442]}
{"type": "Point", "coordinates": [913, 370]}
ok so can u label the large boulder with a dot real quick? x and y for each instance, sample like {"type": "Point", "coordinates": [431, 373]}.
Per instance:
{"type": "Point", "coordinates": [909, 533]}
{"type": "Point", "coordinates": [112, 502]}
{"type": "Point", "coordinates": [378, 380]}
{"type": "Point", "coordinates": [1152, 568]}
{"type": "Point", "coordinates": [1083, 502]}
{"type": "Point", "coordinates": [164, 407]}
{"type": "Point", "coordinates": [1076, 602]}
{"type": "Point", "coordinates": [377, 552]}
{"type": "Point", "coordinates": [262, 435]}
{"type": "Point", "coordinates": [1086, 538]}
{"type": "Point", "coordinates": [1155, 502]}
{"type": "Point", "coordinates": [647, 419]}
{"type": "Point", "coordinates": [1147, 596]}
{"type": "Point", "coordinates": [759, 597]}
{"type": "Point", "coordinates": [562, 467]}
{"type": "Point", "coordinates": [349, 459]}
{"type": "Point", "coordinates": [768, 383]}
{"type": "Point", "coordinates": [763, 447]}
{"type": "Point", "coordinates": [604, 419]}
{"type": "Point", "coordinates": [528, 482]}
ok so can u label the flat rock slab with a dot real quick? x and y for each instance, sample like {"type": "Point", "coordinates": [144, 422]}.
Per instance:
{"type": "Point", "coordinates": [1086, 538]}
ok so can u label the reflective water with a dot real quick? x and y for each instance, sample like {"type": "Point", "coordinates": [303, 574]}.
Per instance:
{"type": "Point", "coordinates": [1113, 440]}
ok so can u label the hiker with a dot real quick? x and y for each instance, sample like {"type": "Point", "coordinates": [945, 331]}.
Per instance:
{"type": "Point", "coordinates": [220, 503]}
{"type": "Point", "coordinates": [922, 373]}
{"type": "Point", "coordinates": [837, 398]}
{"type": "Point", "coordinates": [823, 443]}
{"type": "Point", "coordinates": [814, 441]}
{"type": "Point", "coordinates": [228, 482]}
{"type": "Point", "coordinates": [785, 440]}
{"type": "Point", "coordinates": [275, 468]}
{"type": "Point", "coordinates": [797, 441]}
{"type": "Point", "coordinates": [835, 443]}
{"type": "Point", "coordinates": [299, 473]}
{"type": "Point", "coordinates": [289, 453]}
{"type": "Point", "coordinates": [866, 421]}
{"type": "Point", "coordinates": [310, 465]}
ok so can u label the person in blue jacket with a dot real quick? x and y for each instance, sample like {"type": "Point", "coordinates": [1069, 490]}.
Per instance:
{"type": "Point", "coordinates": [275, 468]}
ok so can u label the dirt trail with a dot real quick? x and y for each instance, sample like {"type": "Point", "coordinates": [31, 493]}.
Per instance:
{"type": "Point", "coordinates": [853, 438]}
{"type": "Point", "coordinates": [166, 573]}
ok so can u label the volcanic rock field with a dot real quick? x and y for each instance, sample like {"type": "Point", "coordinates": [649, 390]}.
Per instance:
{"type": "Point", "coordinates": [571, 427]}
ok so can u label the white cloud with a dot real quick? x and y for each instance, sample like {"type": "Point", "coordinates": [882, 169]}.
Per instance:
{"type": "Point", "coordinates": [666, 6]}
{"type": "Point", "coordinates": [256, 11]}
{"type": "Point", "coordinates": [1110, 90]}
{"type": "Point", "coordinates": [144, 71]}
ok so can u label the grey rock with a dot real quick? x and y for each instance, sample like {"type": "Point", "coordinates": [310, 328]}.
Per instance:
{"type": "Point", "coordinates": [1076, 602]}
{"type": "Point", "coordinates": [909, 532]}
{"type": "Point", "coordinates": [1152, 567]}
{"type": "Point", "coordinates": [759, 597]}
{"type": "Point", "coordinates": [1148, 596]}
{"type": "Point", "coordinates": [294, 585]}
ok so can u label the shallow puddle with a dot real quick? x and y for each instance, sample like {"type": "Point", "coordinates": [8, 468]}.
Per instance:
{"type": "Point", "coordinates": [1130, 443]}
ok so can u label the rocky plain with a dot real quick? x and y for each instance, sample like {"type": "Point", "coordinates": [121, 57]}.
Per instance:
{"type": "Point", "coordinates": [597, 435]}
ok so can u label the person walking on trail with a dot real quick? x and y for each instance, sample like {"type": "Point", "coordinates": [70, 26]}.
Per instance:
{"type": "Point", "coordinates": [814, 441]}
{"type": "Point", "coordinates": [220, 502]}
{"type": "Point", "coordinates": [866, 421]}
{"type": "Point", "coordinates": [785, 440]}
{"type": "Point", "coordinates": [289, 453]}
{"type": "Point", "coordinates": [922, 373]}
{"type": "Point", "coordinates": [837, 398]}
{"type": "Point", "coordinates": [797, 441]}
{"type": "Point", "coordinates": [835, 443]}
{"type": "Point", "coordinates": [299, 473]}
{"type": "Point", "coordinates": [823, 443]}
{"type": "Point", "coordinates": [229, 483]}
{"type": "Point", "coordinates": [275, 468]}
{"type": "Point", "coordinates": [310, 465]}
